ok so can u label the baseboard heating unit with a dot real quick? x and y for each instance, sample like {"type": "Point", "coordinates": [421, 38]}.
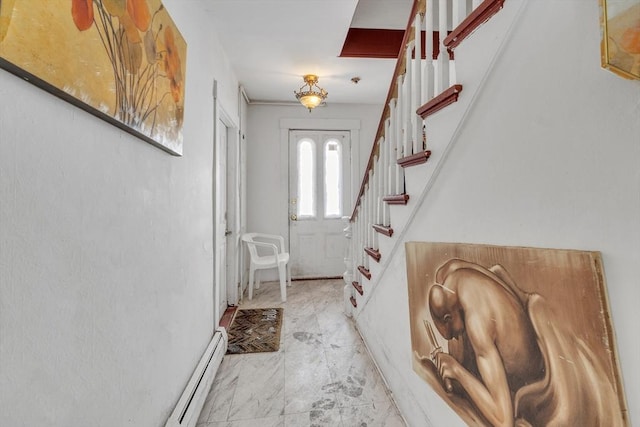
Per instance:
{"type": "Point", "coordinates": [188, 409]}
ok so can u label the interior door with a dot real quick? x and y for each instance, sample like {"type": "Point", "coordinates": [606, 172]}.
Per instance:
{"type": "Point", "coordinates": [220, 214]}
{"type": "Point", "coordinates": [319, 181]}
{"type": "Point", "coordinates": [233, 217]}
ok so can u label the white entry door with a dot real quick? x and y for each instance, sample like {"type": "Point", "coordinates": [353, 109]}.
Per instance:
{"type": "Point", "coordinates": [319, 181]}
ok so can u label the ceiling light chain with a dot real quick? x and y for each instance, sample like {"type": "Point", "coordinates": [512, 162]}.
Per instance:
{"type": "Point", "coordinates": [311, 97]}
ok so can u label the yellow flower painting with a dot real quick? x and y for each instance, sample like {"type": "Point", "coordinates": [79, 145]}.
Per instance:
{"type": "Point", "coordinates": [621, 37]}
{"type": "Point", "coordinates": [121, 60]}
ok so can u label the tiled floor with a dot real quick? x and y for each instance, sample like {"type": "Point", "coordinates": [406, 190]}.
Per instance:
{"type": "Point", "coordinates": [322, 375]}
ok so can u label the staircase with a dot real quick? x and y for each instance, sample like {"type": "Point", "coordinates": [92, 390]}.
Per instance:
{"type": "Point", "coordinates": [436, 79]}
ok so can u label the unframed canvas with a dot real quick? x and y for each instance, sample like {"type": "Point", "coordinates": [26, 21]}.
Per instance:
{"type": "Point", "coordinates": [524, 332]}
{"type": "Point", "coordinates": [121, 60]}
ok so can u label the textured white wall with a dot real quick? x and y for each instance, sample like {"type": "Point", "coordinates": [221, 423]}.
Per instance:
{"type": "Point", "coordinates": [548, 157]}
{"type": "Point", "coordinates": [106, 300]}
{"type": "Point", "coordinates": [267, 158]}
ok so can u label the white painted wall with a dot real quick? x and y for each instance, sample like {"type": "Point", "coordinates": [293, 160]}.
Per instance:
{"type": "Point", "coordinates": [267, 158]}
{"type": "Point", "coordinates": [106, 252]}
{"type": "Point", "coordinates": [548, 157]}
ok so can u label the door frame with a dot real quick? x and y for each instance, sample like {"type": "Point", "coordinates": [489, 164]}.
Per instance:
{"type": "Point", "coordinates": [232, 134]}
{"type": "Point", "coordinates": [325, 230]}
{"type": "Point", "coordinates": [287, 125]}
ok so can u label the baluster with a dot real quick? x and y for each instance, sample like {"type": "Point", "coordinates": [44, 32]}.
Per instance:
{"type": "Point", "coordinates": [365, 234]}
{"type": "Point", "coordinates": [390, 172]}
{"type": "Point", "coordinates": [375, 202]}
{"type": "Point", "coordinates": [417, 84]}
{"type": "Point", "coordinates": [429, 76]}
{"type": "Point", "coordinates": [347, 276]}
{"type": "Point", "coordinates": [398, 139]}
{"type": "Point", "coordinates": [375, 185]}
{"type": "Point", "coordinates": [379, 173]}
{"type": "Point", "coordinates": [373, 179]}
{"type": "Point", "coordinates": [407, 114]}
{"type": "Point", "coordinates": [393, 147]}
{"type": "Point", "coordinates": [443, 57]}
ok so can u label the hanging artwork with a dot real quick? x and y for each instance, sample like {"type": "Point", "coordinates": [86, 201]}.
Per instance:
{"type": "Point", "coordinates": [511, 333]}
{"type": "Point", "coordinates": [121, 60]}
{"type": "Point", "coordinates": [620, 50]}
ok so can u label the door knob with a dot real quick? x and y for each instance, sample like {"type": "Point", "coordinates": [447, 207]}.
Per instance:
{"type": "Point", "coordinates": [294, 217]}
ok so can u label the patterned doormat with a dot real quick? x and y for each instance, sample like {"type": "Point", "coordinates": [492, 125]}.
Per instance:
{"type": "Point", "coordinates": [255, 330]}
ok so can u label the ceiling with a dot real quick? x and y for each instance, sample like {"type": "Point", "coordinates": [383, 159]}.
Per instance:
{"type": "Point", "coordinates": [271, 44]}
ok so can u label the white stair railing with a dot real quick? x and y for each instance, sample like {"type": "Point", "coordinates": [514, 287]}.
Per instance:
{"type": "Point", "coordinates": [402, 131]}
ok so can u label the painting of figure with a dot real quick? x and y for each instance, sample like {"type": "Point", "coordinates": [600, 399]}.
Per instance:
{"type": "Point", "coordinates": [512, 336]}
{"type": "Point", "coordinates": [121, 60]}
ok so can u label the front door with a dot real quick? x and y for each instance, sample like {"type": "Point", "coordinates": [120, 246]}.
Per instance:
{"type": "Point", "coordinates": [319, 178]}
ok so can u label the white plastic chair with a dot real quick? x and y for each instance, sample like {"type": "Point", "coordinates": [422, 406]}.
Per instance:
{"type": "Point", "coordinates": [276, 258]}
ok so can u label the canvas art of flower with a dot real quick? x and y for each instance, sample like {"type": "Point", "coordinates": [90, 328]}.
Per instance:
{"type": "Point", "coordinates": [123, 58]}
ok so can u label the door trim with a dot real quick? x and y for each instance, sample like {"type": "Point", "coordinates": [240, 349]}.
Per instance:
{"type": "Point", "coordinates": [219, 114]}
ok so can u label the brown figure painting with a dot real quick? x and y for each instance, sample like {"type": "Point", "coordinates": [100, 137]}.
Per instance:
{"type": "Point", "coordinates": [512, 336]}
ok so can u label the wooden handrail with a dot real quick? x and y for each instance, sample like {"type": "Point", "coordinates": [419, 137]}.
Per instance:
{"type": "Point", "coordinates": [479, 16]}
{"type": "Point", "coordinates": [448, 97]}
{"type": "Point", "coordinates": [399, 69]}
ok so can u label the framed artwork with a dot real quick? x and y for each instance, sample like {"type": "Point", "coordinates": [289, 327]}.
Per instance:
{"type": "Point", "coordinates": [121, 60]}
{"type": "Point", "coordinates": [620, 45]}
{"type": "Point", "coordinates": [504, 333]}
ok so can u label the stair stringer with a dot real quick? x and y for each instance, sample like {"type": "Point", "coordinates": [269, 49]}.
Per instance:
{"type": "Point", "coordinates": [389, 342]}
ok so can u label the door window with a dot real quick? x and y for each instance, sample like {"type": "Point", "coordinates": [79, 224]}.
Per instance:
{"type": "Point", "coordinates": [306, 178]}
{"type": "Point", "coordinates": [332, 179]}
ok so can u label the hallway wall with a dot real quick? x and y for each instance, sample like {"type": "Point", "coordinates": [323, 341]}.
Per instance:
{"type": "Point", "coordinates": [548, 157]}
{"type": "Point", "coordinates": [106, 252]}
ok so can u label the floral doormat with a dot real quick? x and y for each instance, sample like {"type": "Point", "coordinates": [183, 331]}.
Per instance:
{"type": "Point", "coordinates": [255, 330]}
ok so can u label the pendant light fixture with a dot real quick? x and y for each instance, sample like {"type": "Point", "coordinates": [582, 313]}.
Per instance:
{"type": "Point", "coordinates": [310, 94]}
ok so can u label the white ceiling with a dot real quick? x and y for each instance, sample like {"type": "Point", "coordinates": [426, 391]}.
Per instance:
{"type": "Point", "coordinates": [272, 43]}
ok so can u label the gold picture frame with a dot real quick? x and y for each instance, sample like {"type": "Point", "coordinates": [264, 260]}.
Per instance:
{"type": "Point", "coordinates": [123, 61]}
{"type": "Point", "coordinates": [529, 326]}
{"type": "Point", "coordinates": [620, 37]}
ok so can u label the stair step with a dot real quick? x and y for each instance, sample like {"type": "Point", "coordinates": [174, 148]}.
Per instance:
{"type": "Point", "coordinates": [366, 273]}
{"type": "Point", "coordinates": [396, 199]}
{"type": "Point", "coordinates": [353, 301]}
{"type": "Point", "coordinates": [387, 231]}
{"type": "Point", "coordinates": [373, 253]}
{"type": "Point", "coordinates": [479, 16]}
{"type": "Point", "coordinates": [358, 287]}
{"type": "Point", "coordinates": [414, 159]}
{"type": "Point", "coordinates": [448, 97]}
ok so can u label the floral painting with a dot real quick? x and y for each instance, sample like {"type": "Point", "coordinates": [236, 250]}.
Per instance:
{"type": "Point", "coordinates": [515, 336]}
{"type": "Point", "coordinates": [121, 60]}
{"type": "Point", "coordinates": [620, 22]}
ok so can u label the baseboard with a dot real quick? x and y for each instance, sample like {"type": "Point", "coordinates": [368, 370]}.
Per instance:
{"type": "Point", "coordinates": [190, 404]}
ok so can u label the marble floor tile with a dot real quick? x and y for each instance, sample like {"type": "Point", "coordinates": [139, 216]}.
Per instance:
{"type": "Point", "coordinates": [337, 330]}
{"type": "Point", "coordinates": [321, 376]}
{"type": "Point", "coordinates": [355, 377]}
{"type": "Point", "coordinates": [378, 414]}
{"type": "Point", "coordinates": [254, 422]}
{"type": "Point", "coordinates": [260, 387]}
{"type": "Point", "coordinates": [217, 405]}
{"type": "Point", "coordinates": [307, 381]}
{"type": "Point", "coordinates": [314, 418]}
{"type": "Point", "coordinates": [302, 333]}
